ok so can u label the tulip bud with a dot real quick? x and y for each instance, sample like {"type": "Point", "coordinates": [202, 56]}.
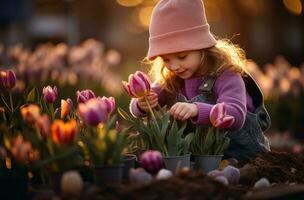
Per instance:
{"type": "Point", "coordinates": [139, 176]}
{"type": "Point", "coordinates": [71, 183]}
{"type": "Point", "coordinates": [151, 161]}
{"type": "Point", "coordinates": [66, 107]}
{"type": "Point", "coordinates": [219, 118]}
{"type": "Point", "coordinates": [30, 113]}
{"type": "Point", "coordinates": [7, 79]}
{"type": "Point", "coordinates": [263, 182]}
{"type": "Point", "coordinates": [84, 95]}
{"type": "Point", "coordinates": [93, 112]}
{"type": "Point", "coordinates": [50, 94]}
{"type": "Point", "coordinates": [109, 102]}
{"type": "Point", "coordinates": [164, 174]}
{"type": "Point", "coordinates": [139, 85]}
{"type": "Point", "coordinates": [232, 174]}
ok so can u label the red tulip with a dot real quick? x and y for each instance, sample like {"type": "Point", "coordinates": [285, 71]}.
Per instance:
{"type": "Point", "coordinates": [139, 85]}
{"type": "Point", "coordinates": [64, 133]}
{"type": "Point", "coordinates": [50, 94]}
{"type": "Point", "coordinates": [219, 117]}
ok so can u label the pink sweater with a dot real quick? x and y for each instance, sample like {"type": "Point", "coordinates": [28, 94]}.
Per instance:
{"type": "Point", "coordinates": [229, 88]}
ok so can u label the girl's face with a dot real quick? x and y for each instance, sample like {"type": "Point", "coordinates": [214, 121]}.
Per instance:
{"type": "Point", "coordinates": [186, 64]}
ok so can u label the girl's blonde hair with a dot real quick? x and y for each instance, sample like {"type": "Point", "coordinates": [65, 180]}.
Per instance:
{"type": "Point", "coordinates": [224, 55]}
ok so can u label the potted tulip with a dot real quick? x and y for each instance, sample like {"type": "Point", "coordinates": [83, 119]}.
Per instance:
{"type": "Point", "coordinates": [158, 132]}
{"type": "Point", "coordinates": [103, 143]}
{"type": "Point", "coordinates": [208, 147]}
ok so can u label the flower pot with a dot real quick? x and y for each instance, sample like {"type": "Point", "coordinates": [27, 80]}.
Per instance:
{"type": "Point", "coordinates": [108, 174]}
{"type": "Point", "coordinates": [172, 162]}
{"type": "Point", "coordinates": [129, 162]}
{"type": "Point", "coordinates": [207, 163]}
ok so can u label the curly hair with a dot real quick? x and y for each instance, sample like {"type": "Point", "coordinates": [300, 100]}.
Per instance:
{"type": "Point", "coordinates": [223, 56]}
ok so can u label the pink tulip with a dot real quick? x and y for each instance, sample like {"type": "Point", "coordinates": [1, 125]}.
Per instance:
{"type": "Point", "coordinates": [219, 117]}
{"type": "Point", "coordinates": [151, 161]}
{"type": "Point", "coordinates": [110, 103]}
{"type": "Point", "coordinates": [93, 112]}
{"type": "Point", "coordinates": [84, 95]}
{"type": "Point", "coordinates": [66, 107]}
{"type": "Point", "coordinates": [7, 79]}
{"type": "Point", "coordinates": [139, 85]}
{"type": "Point", "coordinates": [50, 94]}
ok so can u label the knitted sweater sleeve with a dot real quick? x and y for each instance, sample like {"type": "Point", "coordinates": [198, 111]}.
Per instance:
{"type": "Point", "coordinates": [229, 88]}
{"type": "Point", "coordinates": [134, 108]}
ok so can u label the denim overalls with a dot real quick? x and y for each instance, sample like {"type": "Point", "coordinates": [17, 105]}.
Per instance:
{"type": "Point", "coordinates": [250, 139]}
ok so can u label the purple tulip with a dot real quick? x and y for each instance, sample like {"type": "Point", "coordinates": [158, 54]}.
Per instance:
{"type": "Point", "coordinates": [151, 161]}
{"type": "Point", "coordinates": [110, 103]}
{"type": "Point", "coordinates": [219, 117]}
{"type": "Point", "coordinates": [232, 174]}
{"type": "Point", "coordinates": [139, 85]}
{"type": "Point", "coordinates": [93, 112]}
{"type": "Point", "coordinates": [84, 95]}
{"type": "Point", "coordinates": [50, 94]}
{"type": "Point", "coordinates": [7, 79]}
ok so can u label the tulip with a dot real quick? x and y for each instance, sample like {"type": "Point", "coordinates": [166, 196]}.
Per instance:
{"type": "Point", "coordinates": [109, 102]}
{"type": "Point", "coordinates": [22, 150]}
{"type": "Point", "coordinates": [50, 94]}
{"type": "Point", "coordinates": [64, 133]}
{"type": "Point", "coordinates": [151, 161]}
{"type": "Point", "coordinates": [66, 107]}
{"type": "Point", "coordinates": [139, 85]}
{"type": "Point", "coordinates": [43, 124]}
{"type": "Point", "coordinates": [215, 173]}
{"type": "Point", "coordinates": [93, 112]}
{"type": "Point", "coordinates": [30, 113]}
{"type": "Point", "coordinates": [7, 79]}
{"type": "Point", "coordinates": [84, 95]}
{"type": "Point", "coordinates": [219, 117]}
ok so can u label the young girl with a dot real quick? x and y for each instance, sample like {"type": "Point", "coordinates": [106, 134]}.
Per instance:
{"type": "Point", "coordinates": [194, 71]}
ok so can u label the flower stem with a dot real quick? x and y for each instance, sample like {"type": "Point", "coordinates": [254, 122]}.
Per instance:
{"type": "Point", "coordinates": [51, 106]}
{"type": "Point", "coordinates": [11, 101]}
{"type": "Point", "coordinates": [151, 111]}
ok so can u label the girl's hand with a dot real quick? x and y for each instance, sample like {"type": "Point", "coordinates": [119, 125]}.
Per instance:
{"type": "Point", "coordinates": [183, 111]}
{"type": "Point", "coordinates": [152, 99]}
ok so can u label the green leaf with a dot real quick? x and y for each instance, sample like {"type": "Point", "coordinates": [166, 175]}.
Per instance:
{"type": "Point", "coordinates": [33, 96]}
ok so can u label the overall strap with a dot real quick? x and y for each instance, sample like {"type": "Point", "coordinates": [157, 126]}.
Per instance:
{"type": "Point", "coordinates": [206, 87]}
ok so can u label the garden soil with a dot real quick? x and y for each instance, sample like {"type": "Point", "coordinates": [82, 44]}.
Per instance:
{"type": "Point", "coordinates": [284, 170]}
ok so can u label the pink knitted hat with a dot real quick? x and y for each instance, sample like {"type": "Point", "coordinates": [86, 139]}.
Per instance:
{"type": "Point", "coordinates": [178, 25]}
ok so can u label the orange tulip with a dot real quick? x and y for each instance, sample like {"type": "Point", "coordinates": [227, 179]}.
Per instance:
{"type": "Point", "coordinates": [66, 107]}
{"type": "Point", "coordinates": [64, 133]}
{"type": "Point", "coordinates": [30, 113]}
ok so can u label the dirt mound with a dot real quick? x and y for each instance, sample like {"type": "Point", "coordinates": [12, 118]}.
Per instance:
{"type": "Point", "coordinates": [277, 167]}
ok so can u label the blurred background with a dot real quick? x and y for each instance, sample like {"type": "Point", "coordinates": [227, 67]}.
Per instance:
{"type": "Point", "coordinates": [95, 44]}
